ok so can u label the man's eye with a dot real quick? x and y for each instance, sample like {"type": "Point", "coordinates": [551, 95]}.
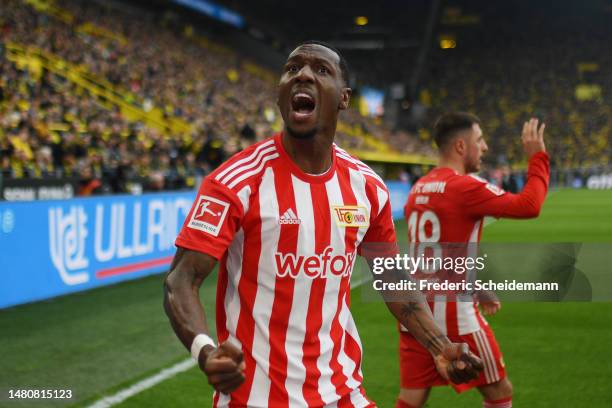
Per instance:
{"type": "Point", "coordinates": [292, 68]}
{"type": "Point", "coordinates": [323, 70]}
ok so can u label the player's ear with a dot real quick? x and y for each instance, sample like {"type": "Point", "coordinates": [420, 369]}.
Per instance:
{"type": "Point", "coordinates": [345, 98]}
{"type": "Point", "coordinates": [460, 145]}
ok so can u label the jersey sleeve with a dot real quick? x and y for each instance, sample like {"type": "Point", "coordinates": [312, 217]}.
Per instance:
{"type": "Point", "coordinates": [380, 239]}
{"type": "Point", "coordinates": [481, 198]}
{"type": "Point", "coordinates": [213, 220]}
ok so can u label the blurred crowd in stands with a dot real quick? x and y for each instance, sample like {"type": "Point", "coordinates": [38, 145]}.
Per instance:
{"type": "Point", "coordinates": [509, 68]}
{"type": "Point", "coordinates": [52, 127]}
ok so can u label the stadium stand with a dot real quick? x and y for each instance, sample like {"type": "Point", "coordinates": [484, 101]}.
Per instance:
{"type": "Point", "coordinates": [552, 67]}
{"type": "Point", "coordinates": [89, 90]}
{"type": "Point", "coordinates": [49, 111]}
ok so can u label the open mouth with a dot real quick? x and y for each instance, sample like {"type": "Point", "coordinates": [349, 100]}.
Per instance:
{"type": "Point", "coordinates": [302, 105]}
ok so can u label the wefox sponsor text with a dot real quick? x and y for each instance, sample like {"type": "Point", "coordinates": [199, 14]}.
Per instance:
{"type": "Point", "coordinates": [315, 266]}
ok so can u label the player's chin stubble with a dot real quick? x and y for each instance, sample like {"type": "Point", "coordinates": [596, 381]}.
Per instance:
{"type": "Point", "coordinates": [309, 134]}
{"type": "Point", "coordinates": [472, 164]}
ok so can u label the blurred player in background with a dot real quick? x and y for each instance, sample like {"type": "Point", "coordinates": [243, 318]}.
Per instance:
{"type": "Point", "coordinates": [275, 216]}
{"type": "Point", "coordinates": [453, 212]}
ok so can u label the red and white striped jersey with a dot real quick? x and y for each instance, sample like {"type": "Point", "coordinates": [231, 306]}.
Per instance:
{"type": "Point", "coordinates": [287, 242]}
{"type": "Point", "coordinates": [446, 207]}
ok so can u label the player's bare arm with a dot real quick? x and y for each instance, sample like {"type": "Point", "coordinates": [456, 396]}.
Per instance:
{"type": "Point", "coordinates": [223, 365]}
{"type": "Point", "coordinates": [454, 361]}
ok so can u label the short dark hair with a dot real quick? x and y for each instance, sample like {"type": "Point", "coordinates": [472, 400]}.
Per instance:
{"type": "Point", "coordinates": [449, 124]}
{"type": "Point", "coordinates": [343, 64]}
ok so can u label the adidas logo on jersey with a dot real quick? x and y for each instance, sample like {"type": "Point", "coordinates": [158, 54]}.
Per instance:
{"type": "Point", "coordinates": [289, 217]}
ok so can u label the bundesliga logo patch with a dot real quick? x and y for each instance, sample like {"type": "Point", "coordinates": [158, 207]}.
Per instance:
{"type": "Point", "coordinates": [208, 215]}
{"type": "Point", "coordinates": [351, 215]}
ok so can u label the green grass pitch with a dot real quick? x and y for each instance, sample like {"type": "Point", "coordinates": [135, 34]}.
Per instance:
{"type": "Point", "coordinates": [99, 342]}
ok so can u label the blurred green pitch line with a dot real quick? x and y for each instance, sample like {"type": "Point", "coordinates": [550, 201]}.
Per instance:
{"type": "Point", "coordinates": [144, 384]}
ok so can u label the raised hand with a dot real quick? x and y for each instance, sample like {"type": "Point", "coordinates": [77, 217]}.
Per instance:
{"type": "Point", "coordinates": [533, 137]}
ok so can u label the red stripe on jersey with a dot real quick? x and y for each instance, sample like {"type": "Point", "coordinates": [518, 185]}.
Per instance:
{"type": "Point", "coordinates": [247, 289]}
{"type": "Point", "coordinates": [222, 331]}
{"type": "Point", "coordinates": [215, 399]}
{"type": "Point", "coordinates": [359, 165]}
{"type": "Point", "coordinates": [348, 196]}
{"type": "Point", "coordinates": [248, 173]}
{"type": "Point", "coordinates": [351, 346]}
{"type": "Point", "coordinates": [372, 194]}
{"type": "Point", "coordinates": [482, 323]}
{"type": "Point", "coordinates": [249, 166]}
{"type": "Point", "coordinates": [345, 402]}
{"type": "Point", "coordinates": [338, 379]}
{"type": "Point", "coordinates": [353, 351]}
{"type": "Point", "coordinates": [312, 346]}
{"type": "Point", "coordinates": [240, 159]}
{"type": "Point", "coordinates": [283, 294]}
{"type": "Point", "coordinates": [452, 325]}
{"type": "Point", "coordinates": [346, 188]}
{"type": "Point", "coordinates": [250, 163]}
{"type": "Point", "coordinates": [350, 237]}
{"type": "Point", "coordinates": [363, 394]}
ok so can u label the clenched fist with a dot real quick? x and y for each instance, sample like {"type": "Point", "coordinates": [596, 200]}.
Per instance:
{"type": "Point", "coordinates": [458, 364]}
{"type": "Point", "coordinates": [224, 366]}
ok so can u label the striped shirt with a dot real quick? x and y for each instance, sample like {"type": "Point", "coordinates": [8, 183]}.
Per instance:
{"type": "Point", "coordinates": [446, 207]}
{"type": "Point", "coordinates": [287, 243]}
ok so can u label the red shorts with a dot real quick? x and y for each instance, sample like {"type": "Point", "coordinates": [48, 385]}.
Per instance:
{"type": "Point", "coordinates": [418, 370]}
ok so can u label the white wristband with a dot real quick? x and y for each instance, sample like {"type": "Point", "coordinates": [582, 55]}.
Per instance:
{"type": "Point", "coordinates": [200, 341]}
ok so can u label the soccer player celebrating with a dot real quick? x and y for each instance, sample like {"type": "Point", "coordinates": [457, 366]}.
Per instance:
{"type": "Point", "coordinates": [286, 218]}
{"type": "Point", "coordinates": [447, 206]}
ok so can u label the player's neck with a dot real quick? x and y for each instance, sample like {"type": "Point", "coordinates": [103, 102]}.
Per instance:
{"type": "Point", "coordinates": [452, 163]}
{"type": "Point", "coordinates": [312, 156]}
